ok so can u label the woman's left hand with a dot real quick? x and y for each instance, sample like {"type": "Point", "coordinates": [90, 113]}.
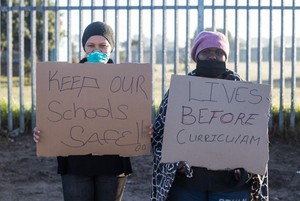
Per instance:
{"type": "Point", "coordinates": [237, 174]}
{"type": "Point", "coordinates": [150, 131]}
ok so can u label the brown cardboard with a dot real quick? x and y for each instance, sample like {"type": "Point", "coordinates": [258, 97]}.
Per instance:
{"type": "Point", "coordinates": [93, 108]}
{"type": "Point", "coordinates": [217, 124]}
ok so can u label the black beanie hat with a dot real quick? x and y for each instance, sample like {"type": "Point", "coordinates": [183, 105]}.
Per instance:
{"type": "Point", "coordinates": [98, 28]}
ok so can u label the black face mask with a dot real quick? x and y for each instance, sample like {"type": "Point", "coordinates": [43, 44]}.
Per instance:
{"type": "Point", "coordinates": [210, 68]}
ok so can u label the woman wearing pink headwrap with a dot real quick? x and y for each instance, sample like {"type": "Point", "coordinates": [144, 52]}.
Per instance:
{"type": "Point", "coordinates": [180, 182]}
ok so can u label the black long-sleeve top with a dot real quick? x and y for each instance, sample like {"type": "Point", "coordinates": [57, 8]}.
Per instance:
{"type": "Point", "coordinates": [91, 165]}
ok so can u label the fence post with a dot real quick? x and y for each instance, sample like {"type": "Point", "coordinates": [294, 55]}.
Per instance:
{"type": "Point", "coordinates": [282, 73]}
{"type": "Point", "coordinates": [200, 15]}
{"type": "Point", "coordinates": [293, 79]}
{"type": "Point", "coordinates": [271, 59]}
{"type": "Point", "coordinates": [33, 62]}
{"type": "Point", "coordinates": [197, 9]}
{"type": "Point", "coordinates": [45, 30]}
{"type": "Point", "coordinates": [21, 65]}
{"type": "Point", "coordinates": [9, 59]}
{"type": "Point", "coordinates": [0, 76]}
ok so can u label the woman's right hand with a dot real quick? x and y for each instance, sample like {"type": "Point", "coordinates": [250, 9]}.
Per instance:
{"type": "Point", "coordinates": [36, 135]}
{"type": "Point", "coordinates": [181, 168]}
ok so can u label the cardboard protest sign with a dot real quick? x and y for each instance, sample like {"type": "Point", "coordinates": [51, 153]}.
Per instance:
{"type": "Point", "coordinates": [217, 124]}
{"type": "Point", "coordinates": [93, 108]}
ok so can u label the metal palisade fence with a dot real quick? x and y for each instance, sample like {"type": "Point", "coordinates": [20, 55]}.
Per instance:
{"type": "Point", "coordinates": [263, 36]}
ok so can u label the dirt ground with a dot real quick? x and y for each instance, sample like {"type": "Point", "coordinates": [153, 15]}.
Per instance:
{"type": "Point", "coordinates": [26, 177]}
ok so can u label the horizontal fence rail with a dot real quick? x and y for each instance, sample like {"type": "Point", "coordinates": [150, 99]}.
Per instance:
{"type": "Point", "coordinates": [264, 43]}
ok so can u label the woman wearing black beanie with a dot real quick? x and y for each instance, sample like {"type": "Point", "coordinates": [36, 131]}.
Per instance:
{"type": "Point", "coordinates": [88, 177]}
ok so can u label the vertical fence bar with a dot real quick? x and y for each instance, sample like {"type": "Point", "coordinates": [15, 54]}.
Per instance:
{"type": "Point", "coordinates": [236, 43]}
{"type": "Point", "coordinates": [105, 17]}
{"type": "Point", "coordinates": [200, 15]}
{"type": "Point", "coordinates": [116, 49]}
{"type": "Point", "coordinates": [128, 33]}
{"type": "Point", "coordinates": [213, 18]}
{"type": "Point", "coordinates": [248, 45]}
{"type": "Point", "coordinates": [92, 10]}
{"type": "Point", "coordinates": [21, 65]}
{"type": "Point", "coordinates": [152, 54]}
{"type": "Point", "coordinates": [9, 59]}
{"type": "Point", "coordinates": [176, 55]}
{"type": "Point", "coordinates": [69, 31]}
{"type": "Point", "coordinates": [80, 30]}
{"type": "Point", "coordinates": [33, 61]}
{"type": "Point", "coordinates": [152, 41]}
{"type": "Point", "coordinates": [293, 79]}
{"type": "Point", "coordinates": [140, 34]}
{"type": "Point", "coordinates": [187, 37]}
{"type": "Point", "coordinates": [259, 48]}
{"type": "Point", "coordinates": [225, 29]}
{"type": "Point", "coordinates": [57, 33]}
{"type": "Point", "coordinates": [45, 30]}
{"type": "Point", "coordinates": [104, 11]}
{"type": "Point", "coordinates": [164, 47]}
{"type": "Point", "coordinates": [0, 70]}
{"type": "Point", "coordinates": [282, 69]}
{"type": "Point", "coordinates": [271, 59]}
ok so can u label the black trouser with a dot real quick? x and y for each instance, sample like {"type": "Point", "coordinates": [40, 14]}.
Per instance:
{"type": "Point", "coordinates": [93, 188]}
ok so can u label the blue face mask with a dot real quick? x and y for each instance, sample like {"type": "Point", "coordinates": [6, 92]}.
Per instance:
{"type": "Point", "coordinates": [97, 57]}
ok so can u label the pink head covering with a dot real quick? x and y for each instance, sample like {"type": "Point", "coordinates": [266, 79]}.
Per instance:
{"type": "Point", "coordinates": [207, 39]}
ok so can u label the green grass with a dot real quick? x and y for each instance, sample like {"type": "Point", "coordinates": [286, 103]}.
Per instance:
{"type": "Point", "coordinates": [15, 91]}
{"type": "Point", "coordinates": [16, 116]}
{"type": "Point", "coordinates": [157, 87]}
